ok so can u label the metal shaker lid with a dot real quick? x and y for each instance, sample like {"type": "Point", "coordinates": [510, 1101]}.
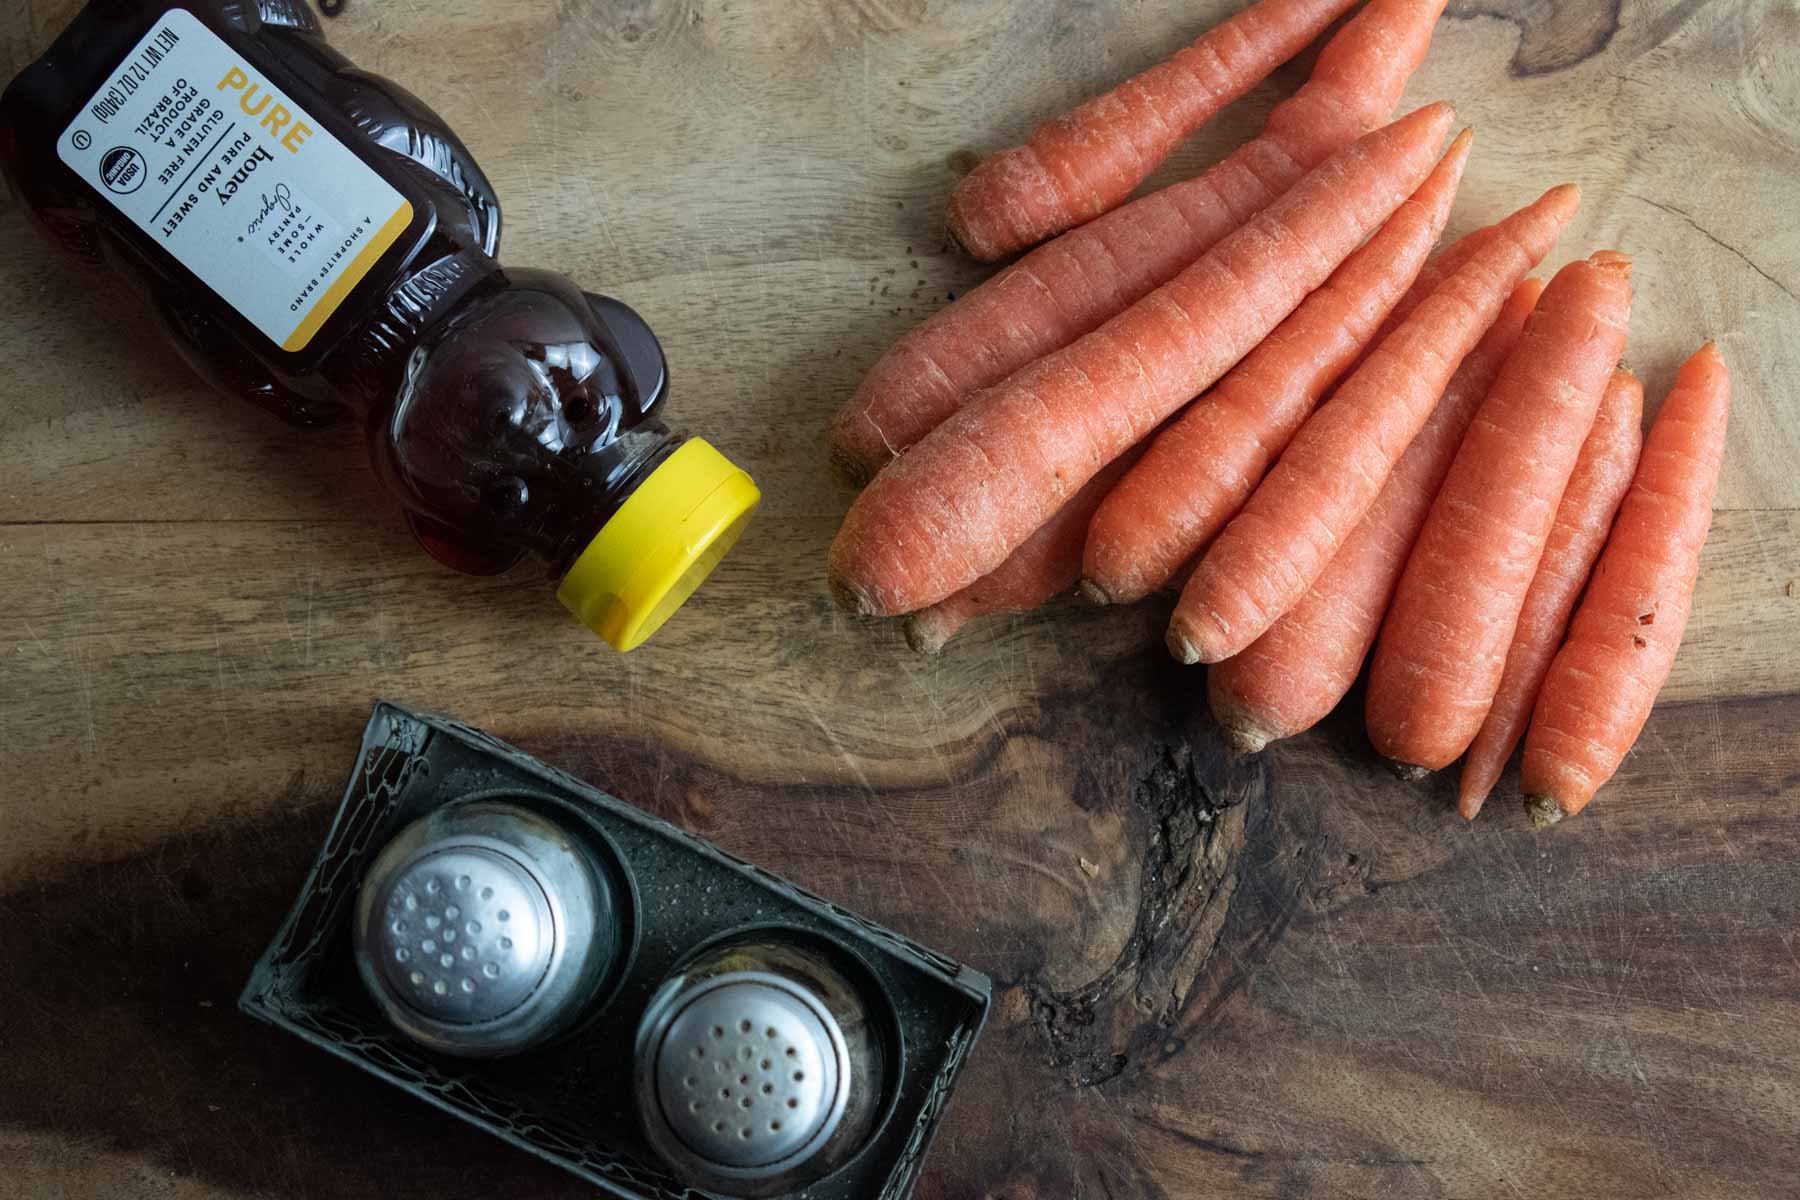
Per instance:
{"type": "Point", "coordinates": [466, 936]}
{"type": "Point", "coordinates": [751, 1072]}
{"type": "Point", "coordinates": [485, 928]}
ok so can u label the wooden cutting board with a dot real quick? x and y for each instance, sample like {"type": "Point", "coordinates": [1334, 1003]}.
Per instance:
{"type": "Point", "coordinates": [1293, 977]}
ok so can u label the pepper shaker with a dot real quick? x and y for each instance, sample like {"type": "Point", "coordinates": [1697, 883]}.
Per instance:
{"type": "Point", "coordinates": [760, 1068]}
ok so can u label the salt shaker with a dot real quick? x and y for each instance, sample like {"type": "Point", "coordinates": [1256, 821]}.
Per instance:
{"type": "Point", "coordinates": [759, 1067]}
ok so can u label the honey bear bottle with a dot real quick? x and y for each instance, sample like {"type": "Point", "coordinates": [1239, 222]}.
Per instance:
{"type": "Point", "coordinates": [314, 239]}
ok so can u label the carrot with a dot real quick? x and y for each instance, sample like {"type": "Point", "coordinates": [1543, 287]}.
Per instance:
{"type": "Point", "coordinates": [1437, 268]}
{"type": "Point", "coordinates": [1622, 642]}
{"type": "Point", "coordinates": [1200, 470]}
{"type": "Point", "coordinates": [1046, 564]}
{"type": "Point", "coordinates": [1081, 164]}
{"type": "Point", "coordinates": [1287, 680]}
{"type": "Point", "coordinates": [1179, 579]}
{"type": "Point", "coordinates": [1602, 473]}
{"type": "Point", "coordinates": [1076, 283]}
{"type": "Point", "coordinates": [1262, 563]}
{"type": "Point", "coordinates": [1442, 648]}
{"type": "Point", "coordinates": [963, 499]}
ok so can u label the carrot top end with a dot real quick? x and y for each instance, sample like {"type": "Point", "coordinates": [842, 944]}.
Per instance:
{"type": "Point", "coordinates": [925, 635]}
{"type": "Point", "coordinates": [1616, 261]}
{"type": "Point", "coordinates": [1407, 772]}
{"type": "Point", "coordinates": [1543, 811]}
{"type": "Point", "coordinates": [848, 598]}
{"type": "Point", "coordinates": [954, 242]}
{"type": "Point", "coordinates": [1243, 741]}
{"type": "Point", "coordinates": [849, 468]}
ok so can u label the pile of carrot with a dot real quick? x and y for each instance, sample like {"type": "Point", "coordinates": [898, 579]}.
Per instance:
{"type": "Point", "coordinates": [1259, 389]}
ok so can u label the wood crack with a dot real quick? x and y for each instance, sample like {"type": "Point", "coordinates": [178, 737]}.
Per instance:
{"type": "Point", "coordinates": [1706, 233]}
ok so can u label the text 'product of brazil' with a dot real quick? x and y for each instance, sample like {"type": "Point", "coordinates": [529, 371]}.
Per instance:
{"type": "Point", "coordinates": [316, 240]}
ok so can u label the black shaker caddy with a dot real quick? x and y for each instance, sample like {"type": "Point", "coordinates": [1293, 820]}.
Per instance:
{"type": "Point", "coordinates": [486, 932]}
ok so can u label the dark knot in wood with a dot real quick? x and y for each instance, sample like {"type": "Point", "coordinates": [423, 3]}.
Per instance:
{"type": "Point", "coordinates": [1191, 799]}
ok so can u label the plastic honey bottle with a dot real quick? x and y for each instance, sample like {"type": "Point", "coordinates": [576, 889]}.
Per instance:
{"type": "Point", "coordinates": [316, 240]}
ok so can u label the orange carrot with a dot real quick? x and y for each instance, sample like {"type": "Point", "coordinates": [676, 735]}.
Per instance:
{"type": "Point", "coordinates": [1437, 268]}
{"type": "Point", "coordinates": [1179, 579]}
{"type": "Point", "coordinates": [1622, 642]}
{"type": "Point", "coordinates": [1045, 565]}
{"type": "Point", "coordinates": [1602, 473]}
{"type": "Point", "coordinates": [1262, 563]}
{"type": "Point", "coordinates": [953, 508]}
{"type": "Point", "coordinates": [1200, 470]}
{"type": "Point", "coordinates": [1076, 283]}
{"type": "Point", "coordinates": [1442, 649]}
{"type": "Point", "coordinates": [1290, 677]}
{"type": "Point", "coordinates": [1084, 162]}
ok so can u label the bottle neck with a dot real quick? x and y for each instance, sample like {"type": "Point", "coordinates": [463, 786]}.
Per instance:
{"type": "Point", "coordinates": [610, 476]}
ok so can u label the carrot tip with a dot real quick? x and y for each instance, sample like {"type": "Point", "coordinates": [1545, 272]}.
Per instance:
{"type": "Point", "coordinates": [1094, 592]}
{"type": "Point", "coordinates": [1185, 652]}
{"type": "Point", "coordinates": [1407, 772]}
{"type": "Point", "coordinates": [1543, 811]}
{"type": "Point", "coordinates": [1469, 807]}
{"type": "Point", "coordinates": [1564, 195]}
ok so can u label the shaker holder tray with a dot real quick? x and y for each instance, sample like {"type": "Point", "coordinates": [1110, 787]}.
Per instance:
{"type": "Point", "coordinates": [571, 1101]}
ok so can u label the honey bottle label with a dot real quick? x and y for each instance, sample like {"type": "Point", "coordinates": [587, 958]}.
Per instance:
{"type": "Point", "coordinates": [234, 179]}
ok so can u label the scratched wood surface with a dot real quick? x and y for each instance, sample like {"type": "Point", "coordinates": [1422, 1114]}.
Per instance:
{"type": "Point", "coordinates": [1292, 977]}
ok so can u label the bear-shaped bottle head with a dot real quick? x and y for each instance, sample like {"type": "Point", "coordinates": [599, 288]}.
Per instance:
{"type": "Point", "coordinates": [523, 422]}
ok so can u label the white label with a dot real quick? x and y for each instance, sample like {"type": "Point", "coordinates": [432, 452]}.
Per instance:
{"type": "Point", "coordinates": [234, 179]}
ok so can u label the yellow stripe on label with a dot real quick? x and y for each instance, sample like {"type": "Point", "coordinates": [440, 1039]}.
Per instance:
{"type": "Point", "coordinates": [349, 277]}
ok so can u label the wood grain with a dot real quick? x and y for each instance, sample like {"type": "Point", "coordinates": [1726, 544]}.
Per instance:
{"type": "Point", "coordinates": [1292, 977]}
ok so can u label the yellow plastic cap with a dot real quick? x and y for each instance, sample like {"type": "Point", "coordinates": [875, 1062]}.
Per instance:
{"type": "Point", "coordinates": [661, 545]}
